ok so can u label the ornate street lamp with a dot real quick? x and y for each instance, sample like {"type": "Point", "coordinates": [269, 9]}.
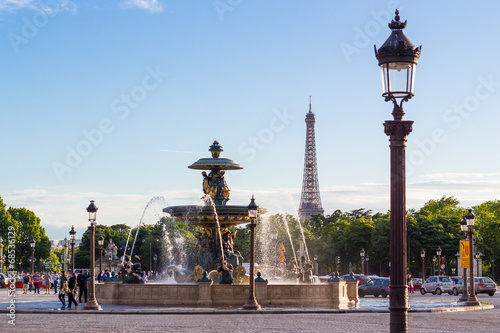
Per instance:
{"type": "Point", "coordinates": [478, 256]}
{"type": "Point", "coordinates": [433, 265]}
{"type": "Point", "coordinates": [155, 258]}
{"type": "Point", "coordinates": [32, 244]}
{"type": "Point", "coordinates": [493, 267]}
{"type": "Point", "coordinates": [315, 264]}
{"type": "Point", "coordinates": [438, 252]}
{"type": "Point", "coordinates": [397, 59]}
{"type": "Point", "coordinates": [253, 211]}
{"type": "Point", "coordinates": [110, 266]}
{"type": "Point", "coordinates": [72, 234]}
{"type": "Point", "coordinates": [1, 255]}
{"type": "Point", "coordinates": [65, 255]}
{"type": "Point", "coordinates": [362, 255]}
{"type": "Point", "coordinates": [367, 260]}
{"type": "Point", "coordinates": [92, 303]}
{"type": "Point", "coordinates": [422, 255]}
{"type": "Point", "coordinates": [465, 293]}
{"type": "Point", "coordinates": [469, 218]}
{"type": "Point", "coordinates": [100, 242]}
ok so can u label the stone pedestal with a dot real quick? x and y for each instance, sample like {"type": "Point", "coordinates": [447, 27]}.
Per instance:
{"type": "Point", "coordinates": [261, 292]}
{"type": "Point", "coordinates": [339, 294]}
{"type": "Point", "coordinates": [205, 293]}
{"type": "Point", "coordinates": [352, 292]}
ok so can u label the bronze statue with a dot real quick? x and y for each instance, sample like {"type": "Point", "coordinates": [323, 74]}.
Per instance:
{"type": "Point", "coordinates": [226, 271]}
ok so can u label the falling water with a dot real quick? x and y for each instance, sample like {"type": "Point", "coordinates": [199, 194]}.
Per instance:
{"type": "Point", "coordinates": [208, 199]}
{"type": "Point", "coordinates": [285, 222]}
{"type": "Point", "coordinates": [154, 199]}
{"type": "Point", "coordinates": [303, 237]}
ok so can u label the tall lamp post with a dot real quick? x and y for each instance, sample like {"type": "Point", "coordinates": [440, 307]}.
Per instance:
{"type": "Point", "coordinates": [251, 303]}
{"type": "Point", "coordinates": [65, 255]}
{"type": "Point", "coordinates": [72, 234]}
{"type": "Point", "coordinates": [155, 258]}
{"type": "Point", "coordinates": [362, 255]}
{"type": "Point", "coordinates": [100, 242]}
{"type": "Point", "coordinates": [315, 264]}
{"type": "Point", "coordinates": [92, 303]}
{"type": "Point", "coordinates": [438, 252]}
{"type": "Point", "coordinates": [1, 255]}
{"type": "Point", "coordinates": [422, 255]}
{"type": "Point", "coordinates": [433, 265]}
{"type": "Point", "coordinates": [493, 267]}
{"type": "Point", "coordinates": [478, 256]}
{"type": "Point", "coordinates": [398, 58]}
{"type": "Point", "coordinates": [469, 218]}
{"type": "Point", "coordinates": [367, 260]}
{"type": "Point", "coordinates": [110, 266]}
{"type": "Point", "coordinates": [465, 293]}
{"type": "Point", "coordinates": [32, 244]}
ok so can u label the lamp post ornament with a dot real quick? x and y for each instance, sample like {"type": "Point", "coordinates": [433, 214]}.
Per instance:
{"type": "Point", "coordinates": [397, 59]}
{"type": "Point", "coordinates": [92, 303]}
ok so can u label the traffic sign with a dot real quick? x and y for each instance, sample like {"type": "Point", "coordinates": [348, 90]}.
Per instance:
{"type": "Point", "coordinates": [464, 254]}
{"type": "Point", "coordinates": [442, 266]}
{"type": "Point", "coordinates": [281, 265]}
{"type": "Point", "coordinates": [48, 264]}
{"type": "Point", "coordinates": [282, 248]}
{"type": "Point", "coordinates": [282, 257]}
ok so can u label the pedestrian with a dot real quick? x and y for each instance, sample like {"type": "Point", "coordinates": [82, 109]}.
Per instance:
{"type": "Point", "coordinates": [63, 289]}
{"type": "Point", "coordinates": [72, 290]}
{"type": "Point", "coordinates": [55, 281]}
{"type": "Point", "coordinates": [26, 283]}
{"type": "Point", "coordinates": [99, 277]}
{"type": "Point", "coordinates": [46, 280]}
{"type": "Point", "coordinates": [36, 284]}
{"type": "Point", "coordinates": [82, 284]}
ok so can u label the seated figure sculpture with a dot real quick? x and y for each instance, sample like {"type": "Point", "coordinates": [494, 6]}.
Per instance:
{"type": "Point", "coordinates": [130, 272]}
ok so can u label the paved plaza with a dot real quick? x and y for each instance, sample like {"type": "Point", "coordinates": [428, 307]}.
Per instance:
{"type": "Point", "coordinates": [39, 313]}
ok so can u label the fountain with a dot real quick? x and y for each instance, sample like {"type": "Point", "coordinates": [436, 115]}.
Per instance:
{"type": "Point", "coordinates": [214, 249]}
{"type": "Point", "coordinates": [215, 218]}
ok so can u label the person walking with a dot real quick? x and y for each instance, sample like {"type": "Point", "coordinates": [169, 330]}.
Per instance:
{"type": "Point", "coordinates": [55, 281]}
{"type": "Point", "coordinates": [63, 289]}
{"type": "Point", "coordinates": [26, 283]}
{"type": "Point", "coordinates": [36, 284]}
{"type": "Point", "coordinates": [46, 280]}
{"type": "Point", "coordinates": [82, 284]}
{"type": "Point", "coordinates": [72, 290]}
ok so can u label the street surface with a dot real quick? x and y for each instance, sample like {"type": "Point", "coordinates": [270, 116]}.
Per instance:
{"type": "Point", "coordinates": [59, 321]}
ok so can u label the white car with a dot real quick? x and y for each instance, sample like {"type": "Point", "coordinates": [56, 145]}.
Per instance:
{"type": "Point", "coordinates": [437, 285]}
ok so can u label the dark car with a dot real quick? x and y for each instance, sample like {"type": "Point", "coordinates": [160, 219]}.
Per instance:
{"type": "Point", "coordinates": [375, 287]}
{"type": "Point", "coordinates": [3, 280]}
{"type": "Point", "coordinates": [362, 279]}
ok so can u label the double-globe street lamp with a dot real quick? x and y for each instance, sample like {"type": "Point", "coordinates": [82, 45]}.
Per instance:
{"type": "Point", "coordinates": [438, 252]}
{"type": "Point", "coordinates": [32, 244]}
{"type": "Point", "coordinates": [72, 234]}
{"type": "Point", "coordinates": [422, 255]}
{"type": "Point", "coordinates": [253, 211]}
{"type": "Point", "coordinates": [469, 218]}
{"type": "Point", "coordinates": [465, 293]}
{"type": "Point", "coordinates": [92, 303]}
{"type": "Point", "coordinates": [362, 255]}
{"type": "Point", "coordinates": [398, 58]}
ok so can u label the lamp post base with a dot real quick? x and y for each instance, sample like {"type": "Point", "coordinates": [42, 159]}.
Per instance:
{"type": "Point", "coordinates": [92, 305]}
{"type": "Point", "coordinates": [251, 304]}
{"type": "Point", "coordinates": [472, 301]}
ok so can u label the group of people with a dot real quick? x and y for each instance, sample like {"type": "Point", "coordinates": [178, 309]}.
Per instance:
{"type": "Point", "coordinates": [63, 285]}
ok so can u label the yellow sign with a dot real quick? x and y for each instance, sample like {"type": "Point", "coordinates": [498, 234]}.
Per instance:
{"type": "Point", "coordinates": [282, 257]}
{"type": "Point", "coordinates": [464, 254]}
{"type": "Point", "coordinates": [282, 248]}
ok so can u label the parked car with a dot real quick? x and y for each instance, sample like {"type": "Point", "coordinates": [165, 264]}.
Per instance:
{"type": "Point", "coordinates": [3, 280]}
{"type": "Point", "coordinates": [483, 285]}
{"type": "Point", "coordinates": [362, 279]}
{"type": "Point", "coordinates": [437, 285]}
{"type": "Point", "coordinates": [417, 283]}
{"type": "Point", "coordinates": [375, 287]}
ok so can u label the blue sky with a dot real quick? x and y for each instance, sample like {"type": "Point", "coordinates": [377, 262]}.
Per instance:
{"type": "Point", "coordinates": [113, 101]}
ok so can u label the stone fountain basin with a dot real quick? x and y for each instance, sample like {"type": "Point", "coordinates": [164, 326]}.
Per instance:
{"type": "Point", "coordinates": [204, 216]}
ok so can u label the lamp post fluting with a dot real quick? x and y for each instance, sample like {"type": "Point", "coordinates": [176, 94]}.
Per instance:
{"type": "Point", "coordinates": [32, 244]}
{"type": "Point", "coordinates": [92, 303]}
{"type": "Point", "coordinates": [422, 255]}
{"type": "Point", "coordinates": [100, 242]}
{"type": "Point", "coordinates": [398, 58]}
{"type": "Point", "coordinates": [251, 303]}
{"type": "Point", "coordinates": [362, 255]}
{"type": "Point", "coordinates": [72, 234]}
{"type": "Point", "coordinates": [472, 301]}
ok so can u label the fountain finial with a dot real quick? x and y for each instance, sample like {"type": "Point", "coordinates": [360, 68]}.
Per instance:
{"type": "Point", "coordinates": [215, 149]}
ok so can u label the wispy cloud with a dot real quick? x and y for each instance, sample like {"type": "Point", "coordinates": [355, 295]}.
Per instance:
{"type": "Point", "coordinates": [153, 6]}
{"type": "Point", "coordinates": [181, 151]}
{"type": "Point", "coordinates": [49, 7]}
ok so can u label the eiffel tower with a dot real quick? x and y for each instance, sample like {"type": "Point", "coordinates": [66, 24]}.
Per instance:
{"type": "Point", "coordinates": [310, 200]}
